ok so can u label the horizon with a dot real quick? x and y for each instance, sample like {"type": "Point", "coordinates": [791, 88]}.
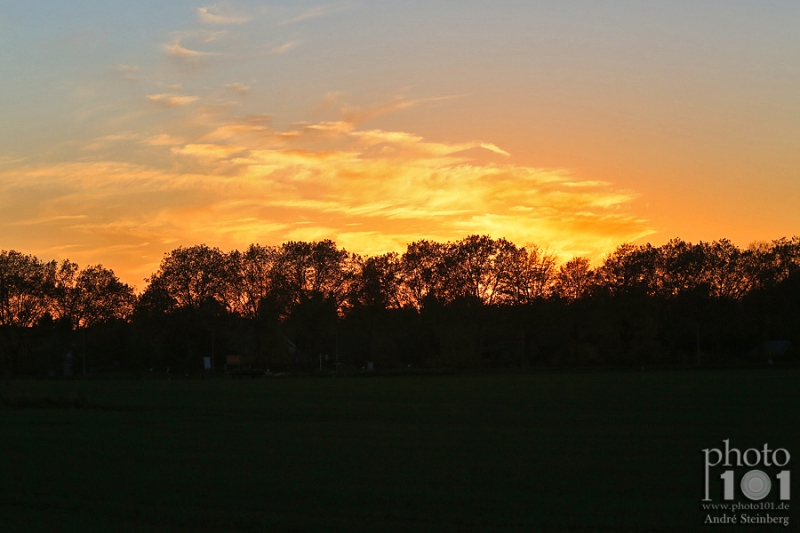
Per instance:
{"type": "Point", "coordinates": [143, 127]}
{"type": "Point", "coordinates": [783, 249]}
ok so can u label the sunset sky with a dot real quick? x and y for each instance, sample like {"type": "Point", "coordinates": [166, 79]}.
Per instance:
{"type": "Point", "coordinates": [130, 128]}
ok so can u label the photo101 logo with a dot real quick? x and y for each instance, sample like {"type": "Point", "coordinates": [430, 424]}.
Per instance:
{"type": "Point", "coordinates": [751, 486]}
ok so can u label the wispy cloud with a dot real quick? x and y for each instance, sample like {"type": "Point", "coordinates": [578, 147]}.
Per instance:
{"type": "Point", "coordinates": [172, 100]}
{"type": "Point", "coordinates": [188, 49]}
{"type": "Point", "coordinates": [203, 36]}
{"type": "Point", "coordinates": [219, 14]}
{"type": "Point", "coordinates": [359, 114]}
{"type": "Point", "coordinates": [207, 151]}
{"type": "Point", "coordinates": [493, 148]}
{"type": "Point", "coordinates": [176, 50]}
{"type": "Point", "coordinates": [46, 220]}
{"type": "Point", "coordinates": [239, 88]}
{"type": "Point", "coordinates": [104, 141]}
{"type": "Point", "coordinates": [283, 48]}
{"type": "Point", "coordinates": [316, 12]}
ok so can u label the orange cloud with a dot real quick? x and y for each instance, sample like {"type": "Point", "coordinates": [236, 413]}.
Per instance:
{"type": "Point", "coordinates": [190, 58]}
{"type": "Point", "coordinates": [234, 181]}
{"type": "Point", "coordinates": [172, 100]}
{"type": "Point", "coordinates": [492, 148]}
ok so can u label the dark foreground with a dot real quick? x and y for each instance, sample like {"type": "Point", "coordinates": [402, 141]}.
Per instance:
{"type": "Point", "coordinates": [606, 451]}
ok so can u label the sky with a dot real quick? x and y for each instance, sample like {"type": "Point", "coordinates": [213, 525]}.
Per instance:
{"type": "Point", "coordinates": [128, 129]}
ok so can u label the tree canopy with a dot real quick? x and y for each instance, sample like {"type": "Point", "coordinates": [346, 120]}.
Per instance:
{"type": "Point", "coordinates": [267, 301]}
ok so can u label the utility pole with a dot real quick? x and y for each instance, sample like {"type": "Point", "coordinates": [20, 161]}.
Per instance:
{"type": "Point", "coordinates": [83, 336]}
{"type": "Point", "coordinates": [697, 331]}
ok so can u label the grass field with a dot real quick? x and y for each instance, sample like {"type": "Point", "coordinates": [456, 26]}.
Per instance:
{"type": "Point", "coordinates": [604, 451]}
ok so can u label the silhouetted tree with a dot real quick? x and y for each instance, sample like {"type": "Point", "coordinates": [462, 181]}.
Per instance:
{"type": "Point", "coordinates": [726, 273]}
{"type": "Point", "coordinates": [254, 276]}
{"type": "Point", "coordinates": [307, 270]}
{"type": "Point", "coordinates": [377, 282]}
{"type": "Point", "coordinates": [478, 267]}
{"type": "Point", "coordinates": [190, 276]}
{"type": "Point", "coordinates": [531, 275]}
{"type": "Point", "coordinates": [680, 267]}
{"type": "Point", "coordinates": [423, 270]}
{"type": "Point", "coordinates": [628, 268]}
{"type": "Point", "coordinates": [574, 278]}
{"type": "Point", "coordinates": [102, 297]}
{"type": "Point", "coordinates": [27, 288]}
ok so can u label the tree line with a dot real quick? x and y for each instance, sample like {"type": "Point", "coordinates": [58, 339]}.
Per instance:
{"type": "Point", "coordinates": [475, 302]}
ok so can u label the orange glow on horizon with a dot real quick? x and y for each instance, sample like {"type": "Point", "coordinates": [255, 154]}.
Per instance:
{"type": "Point", "coordinates": [371, 191]}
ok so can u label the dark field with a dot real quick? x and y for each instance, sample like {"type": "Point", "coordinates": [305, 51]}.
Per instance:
{"type": "Point", "coordinates": [605, 451]}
